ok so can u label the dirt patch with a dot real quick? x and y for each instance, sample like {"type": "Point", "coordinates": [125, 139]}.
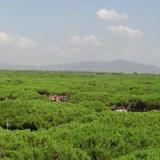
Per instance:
{"type": "Point", "coordinates": [63, 97]}
{"type": "Point", "coordinates": [59, 97]}
{"type": "Point", "coordinates": [132, 106]}
{"type": "Point", "coordinates": [120, 108]}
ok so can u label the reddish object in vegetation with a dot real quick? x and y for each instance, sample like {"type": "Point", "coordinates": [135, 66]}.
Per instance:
{"type": "Point", "coordinates": [59, 98]}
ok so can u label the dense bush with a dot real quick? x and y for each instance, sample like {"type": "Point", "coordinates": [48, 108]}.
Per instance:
{"type": "Point", "coordinates": [150, 154]}
{"type": "Point", "coordinates": [94, 105]}
{"type": "Point", "coordinates": [38, 114]}
{"type": "Point", "coordinates": [85, 128]}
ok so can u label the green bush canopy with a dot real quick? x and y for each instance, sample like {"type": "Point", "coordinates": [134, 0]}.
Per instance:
{"type": "Point", "coordinates": [89, 125]}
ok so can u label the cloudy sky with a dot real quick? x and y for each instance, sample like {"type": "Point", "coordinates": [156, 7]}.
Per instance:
{"type": "Point", "coordinates": [43, 32]}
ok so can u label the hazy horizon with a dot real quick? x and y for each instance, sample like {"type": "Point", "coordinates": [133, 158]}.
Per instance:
{"type": "Point", "coordinates": [78, 62]}
{"type": "Point", "coordinates": [58, 32]}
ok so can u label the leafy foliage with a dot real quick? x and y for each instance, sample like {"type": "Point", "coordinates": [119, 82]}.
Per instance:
{"type": "Point", "coordinates": [84, 128]}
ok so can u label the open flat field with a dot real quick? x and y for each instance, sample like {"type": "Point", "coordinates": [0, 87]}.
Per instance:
{"type": "Point", "coordinates": [79, 116]}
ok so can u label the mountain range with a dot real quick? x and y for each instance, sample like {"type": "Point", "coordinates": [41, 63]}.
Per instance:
{"type": "Point", "coordinates": [91, 66]}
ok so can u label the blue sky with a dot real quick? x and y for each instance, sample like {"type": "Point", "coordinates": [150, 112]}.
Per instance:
{"type": "Point", "coordinates": [61, 31]}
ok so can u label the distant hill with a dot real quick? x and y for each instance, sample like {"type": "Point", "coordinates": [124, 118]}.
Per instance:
{"type": "Point", "coordinates": [93, 66]}
{"type": "Point", "coordinates": [110, 66]}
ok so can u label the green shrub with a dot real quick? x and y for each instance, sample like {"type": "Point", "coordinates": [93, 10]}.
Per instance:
{"type": "Point", "coordinates": [94, 105]}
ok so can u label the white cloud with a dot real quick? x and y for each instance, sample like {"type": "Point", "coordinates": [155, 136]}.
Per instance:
{"type": "Point", "coordinates": [126, 31]}
{"type": "Point", "coordinates": [15, 40]}
{"type": "Point", "coordinates": [110, 15]}
{"type": "Point", "coordinates": [5, 38]}
{"type": "Point", "coordinates": [84, 40]}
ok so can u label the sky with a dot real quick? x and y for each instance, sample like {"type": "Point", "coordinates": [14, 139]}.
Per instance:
{"type": "Point", "coordinates": [45, 32]}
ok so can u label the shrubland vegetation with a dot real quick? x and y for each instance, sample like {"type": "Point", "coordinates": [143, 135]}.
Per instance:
{"type": "Point", "coordinates": [86, 126]}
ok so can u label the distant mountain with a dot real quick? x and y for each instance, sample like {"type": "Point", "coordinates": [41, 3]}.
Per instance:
{"type": "Point", "coordinates": [92, 66]}
{"type": "Point", "coordinates": [110, 66]}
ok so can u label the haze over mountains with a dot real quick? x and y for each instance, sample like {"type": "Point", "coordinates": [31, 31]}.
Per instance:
{"type": "Point", "coordinates": [93, 66]}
